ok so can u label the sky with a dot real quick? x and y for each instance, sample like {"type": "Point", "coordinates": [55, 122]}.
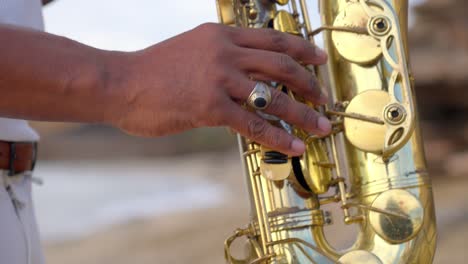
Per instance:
{"type": "Point", "coordinates": [131, 24]}
{"type": "Point", "coordinates": [126, 24]}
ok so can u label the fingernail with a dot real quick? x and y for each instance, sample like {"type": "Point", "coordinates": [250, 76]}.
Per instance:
{"type": "Point", "coordinates": [298, 146]}
{"type": "Point", "coordinates": [324, 124]}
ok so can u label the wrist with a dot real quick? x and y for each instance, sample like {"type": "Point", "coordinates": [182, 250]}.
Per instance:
{"type": "Point", "coordinates": [114, 83]}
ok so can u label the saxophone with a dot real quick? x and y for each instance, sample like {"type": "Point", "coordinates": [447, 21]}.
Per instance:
{"type": "Point", "coordinates": [372, 165]}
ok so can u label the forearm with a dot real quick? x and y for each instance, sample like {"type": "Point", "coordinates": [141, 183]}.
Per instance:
{"type": "Point", "coordinates": [47, 77]}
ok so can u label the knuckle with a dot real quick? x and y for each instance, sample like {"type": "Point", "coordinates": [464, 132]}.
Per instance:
{"type": "Point", "coordinates": [210, 28]}
{"type": "Point", "coordinates": [220, 79]}
{"type": "Point", "coordinates": [218, 53]}
{"type": "Point", "coordinates": [215, 32]}
{"type": "Point", "coordinates": [311, 82]}
{"type": "Point", "coordinates": [278, 102]}
{"type": "Point", "coordinates": [302, 47]}
{"type": "Point", "coordinates": [309, 117]}
{"type": "Point", "coordinates": [286, 64]}
{"type": "Point", "coordinates": [223, 54]}
{"type": "Point", "coordinates": [257, 128]}
{"type": "Point", "coordinates": [278, 40]}
{"type": "Point", "coordinates": [276, 139]}
{"type": "Point", "coordinates": [236, 88]}
{"type": "Point", "coordinates": [314, 86]}
{"type": "Point", "coordinates": [314, 50]}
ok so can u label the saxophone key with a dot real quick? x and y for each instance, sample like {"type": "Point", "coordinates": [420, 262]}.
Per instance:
{"type": "Point", "coordinates": [274, 166]}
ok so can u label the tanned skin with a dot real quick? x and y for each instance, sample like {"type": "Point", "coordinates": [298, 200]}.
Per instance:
{"type": "Point", "coordinates": [196, 79]}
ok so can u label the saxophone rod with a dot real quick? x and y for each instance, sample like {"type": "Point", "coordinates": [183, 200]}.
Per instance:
{"type": "Point", "coordinates": [357, 30]}
{"type": "Point", "coordinates": [377, 210]}
{"type": "Point", "coordinates": [306, 18]}
{"type": "Point", "coordinates": [370, 119]}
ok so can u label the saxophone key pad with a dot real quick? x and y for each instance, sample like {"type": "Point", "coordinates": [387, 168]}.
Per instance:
{"type": "Point", "coordinates": [367, 136]}
{"type": "Point", "coordinates": [359, 256]}
{"type": "Point", "coordinates": [356, 47]}
{"type": "Point", "coordinates": [405, 217]}
{"type": "Point", "coordinates": [275, 166]}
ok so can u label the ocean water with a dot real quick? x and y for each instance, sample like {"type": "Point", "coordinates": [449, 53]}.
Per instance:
{"type": "Point", "coordinates": [79, 198]}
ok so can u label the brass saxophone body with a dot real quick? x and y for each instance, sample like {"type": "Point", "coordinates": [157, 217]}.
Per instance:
{"type": "Point", "coordinates": [373, 163]}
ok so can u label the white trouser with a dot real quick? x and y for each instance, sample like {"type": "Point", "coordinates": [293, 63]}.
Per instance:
{"type": "Point", "coordinates": [19, 236]}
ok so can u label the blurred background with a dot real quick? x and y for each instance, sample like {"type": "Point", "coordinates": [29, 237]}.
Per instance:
{"type": "Point", "coordinates": [118, 199]}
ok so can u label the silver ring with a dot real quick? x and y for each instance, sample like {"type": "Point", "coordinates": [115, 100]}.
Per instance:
{"type": "Point", "coordinates": [260, 97]}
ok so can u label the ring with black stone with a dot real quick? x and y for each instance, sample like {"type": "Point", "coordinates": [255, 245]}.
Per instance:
{"type": "Point", "coordinates": [260, 97]}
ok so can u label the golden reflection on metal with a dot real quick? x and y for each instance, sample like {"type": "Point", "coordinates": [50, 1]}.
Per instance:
{"type": "Point", "coordinates": [358, 48]}
{"type": "Point", "coordinates": [372, 164]}
{"type": "Point", "coordinates": [356, 116]}
{"type": "Point", "coordinates": [274, 171]}
{"type": "Point", "coordinates": [357, 30]}
{"type": "Point", "coordinates": [282, 2]}
{"type": "Point", "coordinates": [226, 12]}
{"type": "Point", "coordinates": [397, 229]}
{"type": "Point", "coordinates": [316, 167]}
{"type": "Point", "coordinates": [299, 243]}
{"type": "Point", "coordinates": [285, 22]}
{"type": "Point", "coordinates": [361, 257]}
{"type": "Point", "coordinates": [371, 103]}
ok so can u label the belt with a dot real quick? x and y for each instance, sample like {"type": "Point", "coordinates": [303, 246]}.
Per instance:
{"type": "Point", "coordinates": [17, 157]}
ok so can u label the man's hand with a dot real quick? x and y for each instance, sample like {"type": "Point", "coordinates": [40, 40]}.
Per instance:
{"type": "Point", "coordinates": [198, 79]}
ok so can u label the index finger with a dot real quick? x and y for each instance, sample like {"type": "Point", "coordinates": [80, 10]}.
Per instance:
{"type": "Point", "coordinates": [261, 131]}
{"type": "Point", "coordinates": [273, 40]}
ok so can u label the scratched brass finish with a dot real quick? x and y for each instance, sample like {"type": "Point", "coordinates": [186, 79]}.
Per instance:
{"type": "Point", "coordinates": [358, 48]}
{"type": "Point", "coordinates": [397, 229]}
{"type": "Point", "coordinates": [372, 164]}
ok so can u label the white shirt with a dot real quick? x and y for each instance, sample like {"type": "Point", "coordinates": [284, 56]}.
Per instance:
{"type": "Point", "coordinates": [26, 13]}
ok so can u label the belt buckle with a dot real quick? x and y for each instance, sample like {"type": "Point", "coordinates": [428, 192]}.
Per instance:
{"type": "Point", "coordinates": [12, 158]}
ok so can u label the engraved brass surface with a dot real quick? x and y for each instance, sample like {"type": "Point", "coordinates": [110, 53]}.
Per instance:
{"type": "Point", "coordinates": [373, 163]}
